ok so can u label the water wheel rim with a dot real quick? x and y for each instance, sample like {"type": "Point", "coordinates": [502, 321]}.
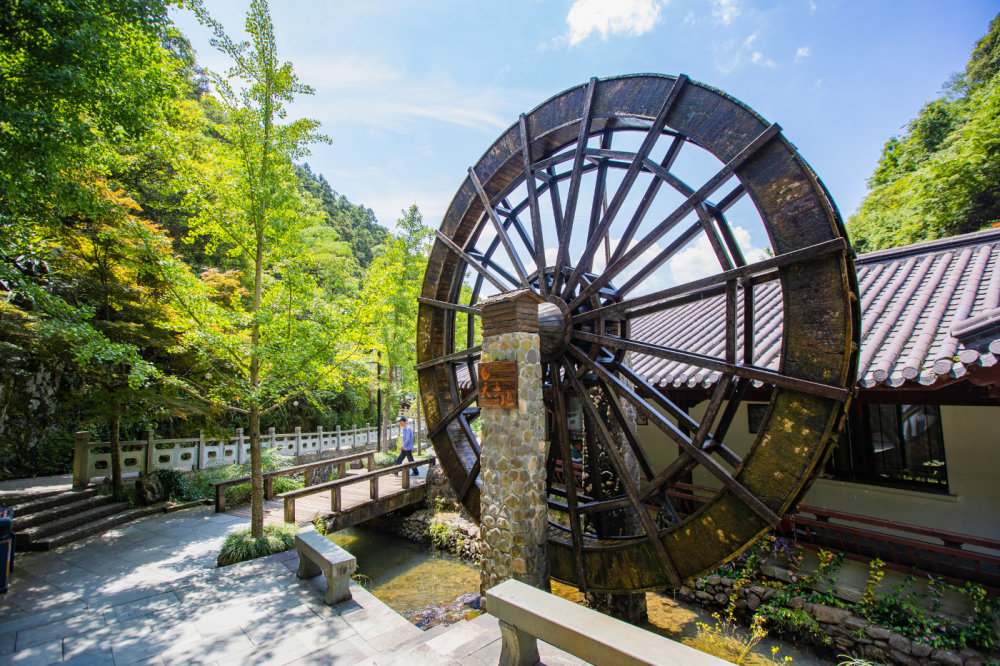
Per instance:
{"type": "Point", "coordinates": [819, 337]}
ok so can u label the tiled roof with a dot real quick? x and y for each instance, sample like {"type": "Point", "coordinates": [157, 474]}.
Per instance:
{"type": "Point", "coordinates": [913, 299]}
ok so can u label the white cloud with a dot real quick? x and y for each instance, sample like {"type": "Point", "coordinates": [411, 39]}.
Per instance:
{"type": "Point", "coordinates": [607, 17]}
{"type": "Point", "coordinates": [363, 91]}
{"type": "Point", "coordinates": [802, 52]}
{"type": "Point", "coordinates": [698, 259]}
{"type": "Point", "coordinates": [758, 58]}
{"type": "Point", "coordinates": [725, 11]}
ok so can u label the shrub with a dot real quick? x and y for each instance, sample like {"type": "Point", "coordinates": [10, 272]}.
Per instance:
{"type": "Point", "coordinates": [240, 546]}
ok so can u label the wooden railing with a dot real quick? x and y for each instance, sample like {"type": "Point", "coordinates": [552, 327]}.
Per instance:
{"type": "Point", "coordinates": [903, 547]}
{"type": "Point", "coordinates": [335, 487]}
{"type": "Point", "coordinates": [306, 470]}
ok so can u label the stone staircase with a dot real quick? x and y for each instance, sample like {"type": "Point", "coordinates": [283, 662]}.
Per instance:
{"type": "Point", "coordinates": [469, 641]}
{"type": "Point", "coordinates": [52, 518]}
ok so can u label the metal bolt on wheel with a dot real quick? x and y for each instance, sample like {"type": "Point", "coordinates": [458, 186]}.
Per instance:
{"type": "Point", "coordinates": [590, 200]}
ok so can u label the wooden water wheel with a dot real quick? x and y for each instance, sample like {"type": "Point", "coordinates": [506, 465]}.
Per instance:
{"type": "Point", "coordinates": [590, 200]}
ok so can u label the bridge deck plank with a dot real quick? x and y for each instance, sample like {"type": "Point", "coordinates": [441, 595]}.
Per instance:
{"type": "Point", "coordinates": [310, 506]}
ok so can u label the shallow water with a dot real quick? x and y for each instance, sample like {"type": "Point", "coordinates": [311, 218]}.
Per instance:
{"type": "Point", "coordinates": [404, 575]}
{"type": "Point", "coordinates": [409, 578]}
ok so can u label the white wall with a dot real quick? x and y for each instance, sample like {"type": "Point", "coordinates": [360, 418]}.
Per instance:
{"type": "Point", "coordinates": [972, 454]}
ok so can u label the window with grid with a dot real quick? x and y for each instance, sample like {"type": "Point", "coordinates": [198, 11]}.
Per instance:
{"type": "Point", "coordinates": [896, 445]}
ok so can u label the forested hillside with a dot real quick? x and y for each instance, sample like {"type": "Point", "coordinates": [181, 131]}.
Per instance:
{"type": "Point", "coordinates": [131, 228]}
{"type": "Point", "coordinates": [942, 176]}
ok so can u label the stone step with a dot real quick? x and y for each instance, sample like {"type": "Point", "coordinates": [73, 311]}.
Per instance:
{"type": "Point", "coordinates": [33, 534]}
{"type": "Point", "coordinates": [15, 498]}
{"type": "Point", "coordinates": [95, 527]}
{"type": "Point", "coordinates": [51, 509]}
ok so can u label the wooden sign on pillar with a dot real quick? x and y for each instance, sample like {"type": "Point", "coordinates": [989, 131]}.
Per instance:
{"type": "Point", "coordinates": [498, 384]}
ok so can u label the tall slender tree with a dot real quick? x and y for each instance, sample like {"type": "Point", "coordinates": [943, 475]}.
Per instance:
{"type": "Point", "coordinates": [282, 335]}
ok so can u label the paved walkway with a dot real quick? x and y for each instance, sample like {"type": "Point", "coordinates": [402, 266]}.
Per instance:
{"type": "Point", "coordinates": [149, 593]}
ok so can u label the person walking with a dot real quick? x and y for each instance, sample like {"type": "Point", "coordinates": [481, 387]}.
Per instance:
{"type": "Point", "coordinates": [406, 448]}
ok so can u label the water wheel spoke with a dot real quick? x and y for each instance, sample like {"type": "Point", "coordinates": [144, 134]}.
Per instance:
{"type": "Point", "coordinates": [638, 160]}
{"type": "Point", "coordinates": [569, 476]}
{"type": "Point", "coordinates": [739, 390]}
{"type": "Point", "coordinates": [626, 428]}
{"type": "Point", "coordinates": [471, 352]}
{"type": "Point", "coordinates": [454, 413]}
{"type": "Point", "coordinates": [599, 204]}
{"type": "Point", "coordinates": [647, 200]}
{"type": "Point", "coordinates": [515, 260]}
{"type": "Point", "coordinates": [681, 211]}
{"type": "Point", "coordinates": [735, 251]}
{"type": "Point", "coordinates": [469, 260]}
{"type": "Point", "coordinates": [708, 226]}
{"type": "Point", "coordinates": [458, 307]}
{"type": "Point", "coordinates": [661, 258]}
{"type": "Point", "coordinates": [716, 364]}
{"type": "Point", "coordinates": [536, 217]}
{"type": "Point", "coordinates": [700, 456]}
{"type": "Point", "coordinates": [715, 442]}
{"type": "Point", "coordinates": [763, 268]}
{"type": "Point", "coordinates": [627, 482]}
{"type": "Point", "coordinates": [487, 262]}
{"type": "Point", "coordinates": [514, 222]}
{"type": "Point", "coordinates": [574, 184]}
{"type": "Point", "coordinates": [469, 481]}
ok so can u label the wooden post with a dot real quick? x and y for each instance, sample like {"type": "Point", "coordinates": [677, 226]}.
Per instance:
{"type": "Point", "coordinates": [289, 509]}
{"type": "Point", "coordinates": [81, 460]}
{"type": "Point", "coordinates": [406, 478]}
{"type": "Point", "coordinates": [220, 499]}
{"type": "Point", "coordinates": [420, 443]}
{"type": "Point", "coordinates": [307, 477]}
{"type": "Point", "coordinates": [268, 487]}
{"type": "Point", "coordinates": [371, 462]}
{"type": "Point", "coordinates": [298, 441]}
{"type": "Point", "coordinates": [373, 491]}
{"type": "Point", "coordinates": [340, 470]}
{"type": "Point", "coordinates": [335, 499]}
{"type": "Point", "coordinates": [150, 451]}
{"type": "Point", "coordinates": [241, 453]}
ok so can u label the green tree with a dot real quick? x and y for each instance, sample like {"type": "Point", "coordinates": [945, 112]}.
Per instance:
{"type": "Point", "coordinates": [942, 177]}
{"type": "Point", "coordinates": [392, 284]}
{"type": "Point", "coordinates": [279, 335]}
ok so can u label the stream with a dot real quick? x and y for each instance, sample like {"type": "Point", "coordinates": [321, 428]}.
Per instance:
{"type": "Point", "coordinates": [424, 586]}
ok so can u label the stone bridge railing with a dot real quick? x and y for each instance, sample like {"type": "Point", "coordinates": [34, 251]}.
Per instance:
{"type": "Point", "coordinates": [93, 459]}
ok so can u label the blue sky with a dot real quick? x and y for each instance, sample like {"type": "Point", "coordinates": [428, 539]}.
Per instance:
{"type": "Point", "coordinates": [412, 93]}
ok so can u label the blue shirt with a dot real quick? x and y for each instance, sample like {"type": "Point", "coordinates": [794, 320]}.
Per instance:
{"type": "Point", "coordinates": [407, 438]}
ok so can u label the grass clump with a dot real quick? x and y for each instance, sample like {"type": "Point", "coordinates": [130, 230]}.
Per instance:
{"type": "Point", "coordinates": [240, 546]}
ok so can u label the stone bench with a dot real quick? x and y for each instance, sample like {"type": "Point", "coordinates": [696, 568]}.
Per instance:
{"type": "Point", "coordinates": [527, 613]}
{"type": "Point", "coordinates": [317, 555]}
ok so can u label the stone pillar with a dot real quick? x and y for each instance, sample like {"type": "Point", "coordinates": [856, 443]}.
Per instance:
{"type": "Point", "coordinates": [513, 501]}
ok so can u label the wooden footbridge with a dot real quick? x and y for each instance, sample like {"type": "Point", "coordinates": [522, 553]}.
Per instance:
{"type": "Point", "coordinates": [353, 498]}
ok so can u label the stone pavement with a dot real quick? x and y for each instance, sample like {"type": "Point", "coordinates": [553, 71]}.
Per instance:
{"type": "Point", "coordinates": [149, 593]}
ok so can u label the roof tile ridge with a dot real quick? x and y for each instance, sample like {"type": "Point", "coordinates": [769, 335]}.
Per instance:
{"type": "Point", "coordinates": [984, 236]}
{"type": "Point", "coordinates": [871, 344]}
{"type": "Point", "coordinates": [945, 362]}
{"type": "Point", "coordinates": [872, 307]}
{"type": "Point", "coordinates": [890, 359]}
{"type": "Point", "coordinates": [914, 362]}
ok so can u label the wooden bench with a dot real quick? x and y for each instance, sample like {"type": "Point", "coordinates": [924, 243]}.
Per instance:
{"type": "Point", "coordinates": [317, 555]}
{"type": "Point", "coordinates": [526, 614]}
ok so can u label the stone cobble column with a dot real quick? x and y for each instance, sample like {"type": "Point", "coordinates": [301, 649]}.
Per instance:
{"type": "Point", "coordinates": [514, 518]}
